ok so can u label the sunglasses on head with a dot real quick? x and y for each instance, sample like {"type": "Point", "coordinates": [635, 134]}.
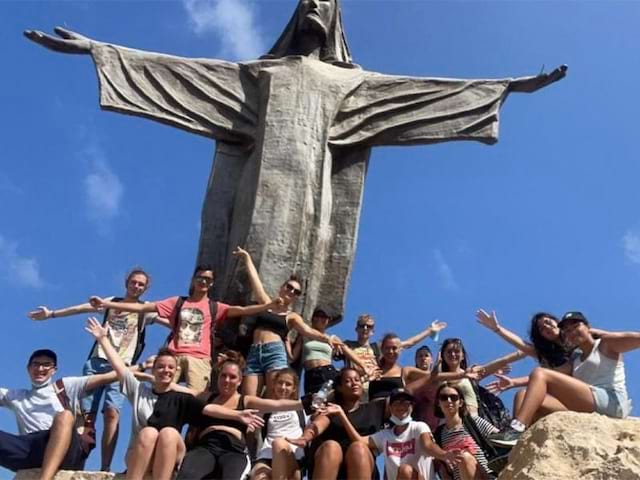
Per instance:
{"type": "Point", "coordinates": [292, 289]}
{"type": "Point", "coordinates": [445, 397]}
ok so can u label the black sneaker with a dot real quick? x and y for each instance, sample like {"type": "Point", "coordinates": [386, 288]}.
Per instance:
{"type": "Point", "coordinates": [506, 438]}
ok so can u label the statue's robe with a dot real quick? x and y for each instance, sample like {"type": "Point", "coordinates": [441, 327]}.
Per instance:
{"type": "Point", "coordinates": [293, 138]}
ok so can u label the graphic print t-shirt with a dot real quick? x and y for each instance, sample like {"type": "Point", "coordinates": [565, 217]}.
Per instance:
{"type": "Point", "coordinates": [122, 329]}
{"type": "Point", "coordinates": [402, 449]}
{"type": "Point", "coordinates": [193, 336]}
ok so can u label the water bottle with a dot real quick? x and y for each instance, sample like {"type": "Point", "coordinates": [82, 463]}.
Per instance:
{"type": "Point", "coordinates": [435, 336]}
{"type": "Point", "coordinates": [320, 398]}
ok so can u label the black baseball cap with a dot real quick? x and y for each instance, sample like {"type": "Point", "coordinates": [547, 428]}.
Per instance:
{"type": "Point", "coordinates": [401, 394]}
{"type": "Point", "coordinates": [44, 352]}
{"type": "Point", "coordinates": [571, 318]}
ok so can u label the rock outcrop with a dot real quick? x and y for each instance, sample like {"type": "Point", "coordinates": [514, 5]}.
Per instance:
{"type": "Point", "coordinates": [34, 474]}
{"type": "Point", "coordinates": [570, 446]}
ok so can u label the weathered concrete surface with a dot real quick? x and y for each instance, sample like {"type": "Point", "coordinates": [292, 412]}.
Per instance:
{"type": "Point", "coordinates": [570, 446]}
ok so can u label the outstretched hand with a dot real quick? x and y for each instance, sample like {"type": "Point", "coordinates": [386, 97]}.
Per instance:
{"type": "Point", "coordinates": [251, 419]}
{"type": "Point", "coordinates": [437, 325]}
{"type": "Point", "coordinates": [488, 320]}
{"type": "Point", "coordinates": [297, 442]}
{"type": "Point", "coordinates": [500, 385]}
{"type": "Point", "coordinates": [40, 313]}
{"type": "Point", "coordinates": [241, 253]}
{"type": "Point", "coordinates": [69, 42]}
{"type": "Point", "coordinates": [96, 330]}
{"type": "Point", "coordinates": [97, 302]}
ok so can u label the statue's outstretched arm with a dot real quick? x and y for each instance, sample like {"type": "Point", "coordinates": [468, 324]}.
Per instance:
{"type": "Point", "coordinates": [531, 84]}
{"type": "Point", "coordinates": [69, 42]}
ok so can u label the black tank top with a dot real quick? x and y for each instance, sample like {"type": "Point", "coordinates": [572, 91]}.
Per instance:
{"type": "Point", "coordinates": [273, 322]}
{"type": "Point", "coordinates": [207, 421]}
{"type": "Point", "coordinates": [383, 387]}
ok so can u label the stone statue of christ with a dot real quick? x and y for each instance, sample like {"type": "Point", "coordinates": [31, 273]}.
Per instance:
{"type": "Point", "coordinates": [293, 133]}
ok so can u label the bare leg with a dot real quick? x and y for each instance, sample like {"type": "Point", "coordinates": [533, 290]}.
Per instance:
{"type": "Point", "coordinates": [517, 401]}
{"type": "Point", "coordinates": [169, 451]}
{"type": "Point", "coordinates": [270, 382]}
{"type": "Point", "coordinates": [261, 472]}
{"type": "Point", "coordinates": [141, 453]}
{"type": "Point", "coordinates": [360, 461]}
{"type": "Point", "coordinates": [252, 384]}
{"type": "Point", "coordinates": [284, 462]}
{"type": "Point", "coordinates": [328, 460]}
{"type": "Point", "coordinates": [469, 468]}
{"type": "Point", "coordinates": [111, 419]}
{"type": "Point", "coordinates": [58, 444]}
{"type": "Point", "coordinates": [406, 472]}
{"type": "Point", "coordinates": [570, 392]}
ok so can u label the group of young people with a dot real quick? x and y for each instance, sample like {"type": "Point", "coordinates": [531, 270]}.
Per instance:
{"type": "Point", "coordinates": [247, 416]}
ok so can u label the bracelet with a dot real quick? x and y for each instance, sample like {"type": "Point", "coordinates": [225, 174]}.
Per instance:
{"type": "Point", "coordinates": [53, 314]}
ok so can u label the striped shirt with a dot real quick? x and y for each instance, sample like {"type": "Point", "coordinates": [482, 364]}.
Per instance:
{"type": "Point", "coordinates": [460, 438]}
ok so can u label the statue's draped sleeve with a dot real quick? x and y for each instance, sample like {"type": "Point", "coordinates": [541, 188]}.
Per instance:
{"type": "Point", "coordinates": [208, 97]}
{"type": "Point", "coordinates": [393, 110]}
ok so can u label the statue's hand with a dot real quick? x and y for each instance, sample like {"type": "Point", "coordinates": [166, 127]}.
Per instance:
{"type": "Point", "coordinates": [531, 84]}
{"type": "Point", "coordinates": [69, 42]}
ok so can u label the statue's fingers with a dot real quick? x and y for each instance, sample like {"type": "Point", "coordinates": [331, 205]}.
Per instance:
{"type": "Point", "coordinates": [67, 34]}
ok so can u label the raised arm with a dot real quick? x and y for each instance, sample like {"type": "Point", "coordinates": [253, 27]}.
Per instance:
{"type": "Point", "coordinates": [616, 343]}
{"type": "Point", "coordinates": [249, 417]}
{"type": "Point", "coordinates": [435, 326]}
{"type": "Point", "coordinates": [355, 360]}
{"type": "Point", "coordinates": [100, 303]}
{"type": "Point", "coordinates": [236, 311]}
{"type": "Point", "coordinates": [101, 336]}
{"type": "Point", "coordinates": [44, 313]}
{"type": "Point", "coordinates": [495, 365]}
{"type": "Point", "coordinates": [254, 279]}
{"type": "Point", "coordinates": [295, 322]}
{"type": "Point", "coordinates": [491, 322]}
{"type": "Point", "coordinates": [268, 405]}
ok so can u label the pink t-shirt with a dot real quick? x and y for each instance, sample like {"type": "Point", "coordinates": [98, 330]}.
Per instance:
{"type": "Point", "coordinates": [193, 336]}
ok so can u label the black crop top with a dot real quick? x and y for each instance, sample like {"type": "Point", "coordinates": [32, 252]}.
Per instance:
{"type": "Point", "coordinates": [273, 322]}
{"type": "Point", "coordinates": [175, 409]}
{"type": "Point", "coordinates": [207, 421]}
{"type": "Point", "coordinates": [383, 387]}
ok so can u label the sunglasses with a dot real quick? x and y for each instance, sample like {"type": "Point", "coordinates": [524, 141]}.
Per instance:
{"type": "Point", "coordinates": [290, 288]}
{"type": "Point", "coordinates": [44, 366]}
{"type": "Point", "coordinates": [445, 397]}
{"type": "Point", "coordinates": [201, 279]}
{"type": "Point", "coordinates": [366, 326]}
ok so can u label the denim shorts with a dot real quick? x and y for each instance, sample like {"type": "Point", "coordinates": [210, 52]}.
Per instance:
{"type": "Point", "coordinates": [264, 357]}
{"type": "Point", "coordinates": [610, 403]}
{"type": "Point", "coordinates": [113, 397]}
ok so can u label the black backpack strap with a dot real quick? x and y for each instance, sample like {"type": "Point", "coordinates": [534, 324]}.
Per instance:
{"type": "Point", "coordinates": [437, 435]}
{"type": "Point", "coordinates": [61, 393]}
{"type": "Point", "coordinates": [105, 317]}
{"type": "Point", "coordinates": [376, 350]}
{"type": "Point", "coordinates": [213, 311]}
{"type": "Point", "coordinates": [176, 320]}
{"type": "Point", "coordinates": [142, 331]}
{"type": "Point", "coordinates": [478, 437]}
{"type": "Point", "coordinates": [265, 417]}
{"type": "Point", "coordinates": [301, 419]}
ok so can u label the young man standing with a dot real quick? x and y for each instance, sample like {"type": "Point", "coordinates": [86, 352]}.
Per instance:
{"type": "Point", "coordinates": [192, 320]}
{"type": "Point", "coordinates": [46, 417]}
{"type": "Point", "coordinates": [126, 333]}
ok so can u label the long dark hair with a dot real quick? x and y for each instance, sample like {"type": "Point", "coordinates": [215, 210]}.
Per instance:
{"type": "Point", "coordinates": [444, 367]}
{"type": "Point", "coordinates": [549, 353]}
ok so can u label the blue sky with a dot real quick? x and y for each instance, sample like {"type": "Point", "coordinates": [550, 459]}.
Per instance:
{"type": "Point", "coordinates": [547, 219]}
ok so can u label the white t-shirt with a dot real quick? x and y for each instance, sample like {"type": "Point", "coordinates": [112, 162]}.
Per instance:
{"type": "Point", "coordinates": [142, 400]}
{"type": "Point", "coordinates": [36, 408]}
{"type": "Point", "coordinates": [403, 449]}
{"type": "Point", "coordinates": [285, 425]}
{"type": "Point", "coordinates": [122, 330]}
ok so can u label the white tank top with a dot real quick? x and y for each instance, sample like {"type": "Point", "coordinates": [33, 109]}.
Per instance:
{"type": "Point", "coordinates": [600, 371]}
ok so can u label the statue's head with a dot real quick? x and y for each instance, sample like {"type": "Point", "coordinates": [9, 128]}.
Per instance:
{"type": "Point", "coordinates": [322, 20]}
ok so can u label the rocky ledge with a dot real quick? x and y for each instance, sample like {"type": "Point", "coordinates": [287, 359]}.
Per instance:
{"type": "Point", "coordinates": [570, 446]}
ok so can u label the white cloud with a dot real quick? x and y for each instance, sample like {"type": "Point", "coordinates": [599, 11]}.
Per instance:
{"type": "Point", "coordinates": [103, 189]}
{"type": "Point", "coordinates": [631, 246]}
{"type": "Point", "coordinates": [23, 271]}
{"type": "Point", "coordinates": [444, 271]}
{"type": "Point", "coordinates": [233, 21]}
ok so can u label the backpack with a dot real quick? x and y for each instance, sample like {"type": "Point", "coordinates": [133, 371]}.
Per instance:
{"type": "Point", "coordinates": [213, 310]}
{"type": "Point", "coordinates": [88, 436]}
{"type": "Point", "coordinates": [140, 341]}
{"type": "Point", "coordinates": [491, 408]}
{"type": "Point", "coordinates": [497, 457]}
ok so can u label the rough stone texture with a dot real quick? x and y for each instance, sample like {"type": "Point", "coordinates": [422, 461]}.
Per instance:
{"type": "Point", "coordinates": [294, 133]}
{"type": "Point", "coordinates": [34, 474]}
{"type": "Point", "coordinates": [570, 446]}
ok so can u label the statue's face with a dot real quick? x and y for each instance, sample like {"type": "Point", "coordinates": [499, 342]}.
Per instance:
{"type": "Point", "coordinates": [316, 16]}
